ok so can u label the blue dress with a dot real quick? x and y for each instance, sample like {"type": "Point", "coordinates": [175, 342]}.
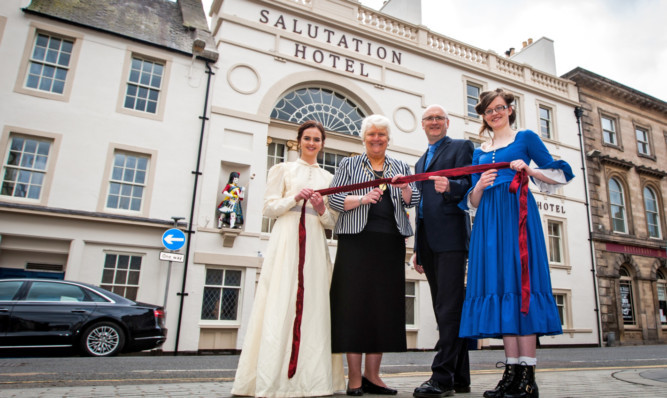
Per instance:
{"type": "Point", "coordinates": [493, 294]}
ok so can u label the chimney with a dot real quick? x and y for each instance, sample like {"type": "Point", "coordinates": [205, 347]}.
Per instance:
{"type": "Point", "coordinates": [530, 40]}
{"type": "Point", "coordinates": [509, 52]}
{"type": "Point", "coordinates": [524, 44]}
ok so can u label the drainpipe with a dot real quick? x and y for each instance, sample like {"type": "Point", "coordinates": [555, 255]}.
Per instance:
{"type": "Point", "coordinates": [579, 112]}
{"type": "Point", "coordinates": [190, 232]}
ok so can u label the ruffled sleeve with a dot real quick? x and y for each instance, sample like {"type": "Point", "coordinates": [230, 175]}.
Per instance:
{"type": "Point", "coordinates": [275, 204]}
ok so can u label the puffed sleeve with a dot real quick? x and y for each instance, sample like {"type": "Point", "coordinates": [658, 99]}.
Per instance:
{"type": "Point", "coordinates": [275, 203]}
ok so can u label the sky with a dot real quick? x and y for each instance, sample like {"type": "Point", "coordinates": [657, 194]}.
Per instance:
{"type": "Point", "coordinates": [622, 40]}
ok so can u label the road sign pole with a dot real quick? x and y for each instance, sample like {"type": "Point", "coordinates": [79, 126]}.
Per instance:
{"type": "Point", "coordinates": [166, 288]}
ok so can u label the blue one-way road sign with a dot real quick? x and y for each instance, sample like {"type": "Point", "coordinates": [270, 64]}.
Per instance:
{"type": "Point", "coordinates": [173, 239]}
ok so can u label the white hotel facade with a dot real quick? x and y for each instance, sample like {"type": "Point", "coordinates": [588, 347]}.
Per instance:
{"type": "Point", "coordinates": [281, 62]}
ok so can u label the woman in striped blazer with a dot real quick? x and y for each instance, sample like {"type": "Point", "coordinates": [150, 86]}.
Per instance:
{"type": "Point", "coordinates": [368, 283]}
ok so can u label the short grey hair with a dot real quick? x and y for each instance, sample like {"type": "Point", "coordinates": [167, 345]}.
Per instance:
{"type": "Point", "coordinates": [378, 121]}
{"type": "Point", "coordinates": [435, 106]}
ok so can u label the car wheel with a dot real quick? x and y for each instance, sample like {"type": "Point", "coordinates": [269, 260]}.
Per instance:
{"type": "Point", "coordinates": [102, 339]}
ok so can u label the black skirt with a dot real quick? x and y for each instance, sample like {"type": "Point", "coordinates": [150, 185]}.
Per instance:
{"type": "Point", "coordinates": [368, 293]}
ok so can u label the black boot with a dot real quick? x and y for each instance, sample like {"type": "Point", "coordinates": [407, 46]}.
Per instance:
{"type": "Point", "coordinates": [525, 387]}
{"type": "Point", "coordinates": [509, 379]}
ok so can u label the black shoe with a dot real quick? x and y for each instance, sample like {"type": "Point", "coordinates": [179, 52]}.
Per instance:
{"type": "Point", "coordinates": [355, 392]}
{"type": "Point", "coordinates": [433, 389]}
{"type": "Point", "coordinates": [461, 389]}
{"type": "Point", "coordinates": [371, 388]}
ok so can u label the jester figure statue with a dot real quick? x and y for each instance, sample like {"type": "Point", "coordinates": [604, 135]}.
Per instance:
{"type": "Point", "coordinates": [231, 213]}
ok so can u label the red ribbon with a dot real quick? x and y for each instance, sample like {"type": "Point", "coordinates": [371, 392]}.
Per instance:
{"type": "Point", "coordinates": [520, 181]}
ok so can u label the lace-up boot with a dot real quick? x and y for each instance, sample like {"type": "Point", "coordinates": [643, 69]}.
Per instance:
{"type": "Point", "coordinates": [509, 379]}
{"type": "Point", "coordinates": [525, 386]}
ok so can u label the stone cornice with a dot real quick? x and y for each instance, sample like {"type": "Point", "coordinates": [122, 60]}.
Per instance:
{"type": "Point", "coordinates": [616, 162]}
{"type": "Point", "coordinates": [595, 82]}
{"type": "Point", "coordinates": [650, 171]}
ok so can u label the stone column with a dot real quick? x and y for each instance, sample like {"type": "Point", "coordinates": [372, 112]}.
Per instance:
{"type": "Point", "coordinates": [292, 151]}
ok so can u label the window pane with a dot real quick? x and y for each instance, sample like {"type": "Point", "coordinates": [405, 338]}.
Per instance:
{"type": "Point", "coordinates": [333, 110]}
{"type": "Point", "coordinates": [26, 161]}
{"type": "Point", "coordinates": [229, 304]}
{"type": "Point", "coordinates": [117, 277]}
{"type": "Point", "coordinates": [210, 303]}
{"type": "Point", "coordinates": [213, 277]}
{"type": "Point", "coordinates": [232, 278]}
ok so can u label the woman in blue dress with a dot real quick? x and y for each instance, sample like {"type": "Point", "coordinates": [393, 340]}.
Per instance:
{"type": "Point", "coordinates": [493, 303]}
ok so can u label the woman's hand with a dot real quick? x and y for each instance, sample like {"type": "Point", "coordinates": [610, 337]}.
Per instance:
{"type": "Point", "coordinates": [318, 203]}
{"type": "Point", "coordinates": [486, 179]}
{"type": "Point", "coordinates": [406, 191]}
{"type": "Point", "coordinates": [519, 165]}
{"type": "Point", "coordinates": [304, 194]}
{"type": "Point", "coordinates": [441, 184]}
{"type": "Point", "coordinates": [396, 177]}
{"type": "Point", "coordinates": [372, 197]}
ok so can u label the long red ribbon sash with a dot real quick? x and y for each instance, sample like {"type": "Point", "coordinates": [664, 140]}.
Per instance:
{"type": "Point", "coordinates": [520, 181]}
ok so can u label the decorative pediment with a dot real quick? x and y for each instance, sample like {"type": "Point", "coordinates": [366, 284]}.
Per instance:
{"type": "Point", "coordinates": [650, 171]}
{"type": "Point", "coordinates": [613, 161]}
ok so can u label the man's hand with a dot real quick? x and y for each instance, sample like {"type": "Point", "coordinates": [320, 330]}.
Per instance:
{"type": "Point", "coordinates": [441, 183]}
{"type": "Point", "coordinates": [417, 267]}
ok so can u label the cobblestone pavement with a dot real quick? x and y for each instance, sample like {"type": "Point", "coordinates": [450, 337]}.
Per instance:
{"type": "Point", "coordinates": [646, 381]}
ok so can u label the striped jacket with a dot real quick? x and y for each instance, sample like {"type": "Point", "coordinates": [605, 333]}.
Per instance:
{"type": "Point", "coordinates": [356, 169]}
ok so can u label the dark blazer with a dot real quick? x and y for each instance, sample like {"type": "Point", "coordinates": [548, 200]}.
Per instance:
{"type": "Point", "coordinates": [447, 226]}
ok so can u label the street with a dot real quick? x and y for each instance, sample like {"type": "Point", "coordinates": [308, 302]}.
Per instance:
{"type": "Point", "coordinates": [618, 370]}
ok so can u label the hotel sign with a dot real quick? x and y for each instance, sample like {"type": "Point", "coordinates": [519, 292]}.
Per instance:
{"type": "Point", "coordinates": [334, 40]}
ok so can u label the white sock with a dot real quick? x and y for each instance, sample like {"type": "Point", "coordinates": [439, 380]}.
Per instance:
{"type": "Point", "coordinates": [528, 361]}
{"type": "Point", "coordinates": [512, 361]}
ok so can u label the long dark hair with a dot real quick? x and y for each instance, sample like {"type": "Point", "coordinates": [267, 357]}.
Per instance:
{"type": "Point", "coordinates": [486, 98]}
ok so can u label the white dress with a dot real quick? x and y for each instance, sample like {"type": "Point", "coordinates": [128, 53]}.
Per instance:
{"type": "Point", "coordinates": [263, 365]}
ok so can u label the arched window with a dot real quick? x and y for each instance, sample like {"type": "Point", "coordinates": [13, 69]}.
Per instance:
{"type": "Point", "coordinates": [627, 302]}
{"type": "Point", "coordinates": [652, 213]}
{"type": "Point", "coordinates": [662, 296]}
{"type": "Point", "coordinates": [617, 206]}
{"type": "Point", "coordinates": [332, 109]}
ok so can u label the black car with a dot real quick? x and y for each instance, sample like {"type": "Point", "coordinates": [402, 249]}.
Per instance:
{"type": "Point", "coordinates": [41, 313]}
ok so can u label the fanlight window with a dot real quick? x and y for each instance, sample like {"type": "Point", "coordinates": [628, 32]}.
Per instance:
{"type": "Point", "coordinates": [333, 110]}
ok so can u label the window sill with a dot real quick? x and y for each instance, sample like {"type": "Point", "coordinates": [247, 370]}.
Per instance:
{"type": "Point", "coordinates": [567, 268]}
{"type": "Point", "coordinates": [217, 325]}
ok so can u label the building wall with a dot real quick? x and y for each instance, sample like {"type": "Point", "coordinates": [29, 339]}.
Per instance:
{"type": "Point", "coordinates": [69, 224]}
{"type": "Point", "coordinates": [380, 63]}
{"type": "Point", "coordinates": [634, 250]}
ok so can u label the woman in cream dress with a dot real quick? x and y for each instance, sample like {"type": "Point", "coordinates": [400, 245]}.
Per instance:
{"type": "Point", "coordinates": [263, 366]}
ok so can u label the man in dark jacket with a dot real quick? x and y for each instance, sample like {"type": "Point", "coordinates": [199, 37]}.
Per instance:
{"type": "Point", "coordinates": [441, 246]}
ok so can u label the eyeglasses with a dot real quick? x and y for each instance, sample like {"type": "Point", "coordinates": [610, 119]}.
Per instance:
{"type": "Point", "coordinates": [497, 109]}
{"type": "Point", "coordinates": [432, 118]}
